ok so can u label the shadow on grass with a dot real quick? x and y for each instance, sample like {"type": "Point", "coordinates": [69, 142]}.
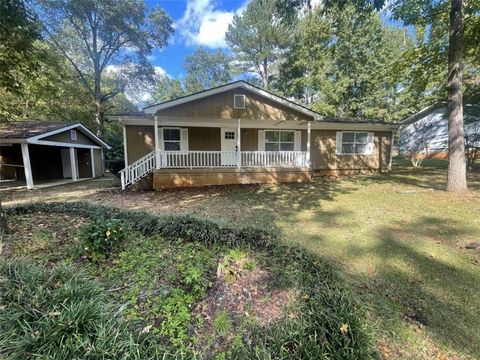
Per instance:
{"type": "Point", "coordinates": [426, 290]}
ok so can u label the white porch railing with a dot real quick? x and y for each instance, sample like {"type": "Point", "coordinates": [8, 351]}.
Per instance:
{"type": "Point", "coordinates": [211, 159]}
{"type": "Point", "coordinates": [137, 170]}
{"type": "Point", "coordinates": [268, 159]}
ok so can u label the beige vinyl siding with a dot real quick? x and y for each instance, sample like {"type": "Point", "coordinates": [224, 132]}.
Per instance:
{"type": "Point", "coordinates": [221, 106]}
{"type": "Point", "coordinates": [65, 138]}
{"type": "Point", "coordinates": [323, 155]}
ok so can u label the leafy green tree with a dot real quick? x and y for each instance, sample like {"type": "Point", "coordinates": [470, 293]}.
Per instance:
{"type": "Point", "coordinates": [341, 64]}
{"type": "Point", "coordinates": [19, 30]}
{"type": "Point", "coordinates": [93, 34]}
{"type": "Point", "coordinates": [206, 69]}
{"type": "Point", "coordinates": [259, 39]}
{"type": "Point", "coordinates": [427, 14]}
{"type": "Point", "coordinates": [167, 89]}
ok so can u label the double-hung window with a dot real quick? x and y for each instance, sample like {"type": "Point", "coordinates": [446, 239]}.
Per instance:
{"type": "Point", "coordinates": [171, 139]}
{"type": "Point", "coordinates": [354, 143]}
{"type": "Point", "coordinates": [279, 140]}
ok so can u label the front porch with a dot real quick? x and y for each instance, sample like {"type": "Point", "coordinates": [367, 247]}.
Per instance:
{"type": "Point", "coordinates": [270, 164]}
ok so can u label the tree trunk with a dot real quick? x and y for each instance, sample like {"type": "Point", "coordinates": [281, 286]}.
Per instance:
{"type": "Point", "coordinates": [457, 172]}
{"type": "Point", "coordinates": [265, 74]}
{"type": "Point", "coordinates": [99, 115]}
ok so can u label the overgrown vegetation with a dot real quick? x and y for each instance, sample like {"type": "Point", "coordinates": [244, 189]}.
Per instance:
{"type": "Point", "coordinates": [168, 265]}
{"type": "Point", "coordinates": [61, 314]}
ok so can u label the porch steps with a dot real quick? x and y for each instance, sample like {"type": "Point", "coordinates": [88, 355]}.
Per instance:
{"type": "Point", "coordinates": [138, 170]}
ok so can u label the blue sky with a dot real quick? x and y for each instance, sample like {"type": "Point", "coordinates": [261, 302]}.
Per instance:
{"type": "Point", "coordinates": [197, 23]}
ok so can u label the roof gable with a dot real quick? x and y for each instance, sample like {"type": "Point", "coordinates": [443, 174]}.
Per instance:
{"type": "Point", "coordinates": [33, 131]}
{"type": "Point", "coordinates": [268, 96]}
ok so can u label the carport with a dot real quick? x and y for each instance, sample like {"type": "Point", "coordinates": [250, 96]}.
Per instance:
{"type": "Point", "coordinates": [37, 154]}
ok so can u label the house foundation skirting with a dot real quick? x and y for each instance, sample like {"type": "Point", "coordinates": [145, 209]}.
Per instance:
{"type": "Point", "coordinates": [176, 178]}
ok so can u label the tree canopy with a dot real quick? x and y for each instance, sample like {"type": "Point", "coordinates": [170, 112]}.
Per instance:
{"type": "Point", "coordinates": [94, 34]}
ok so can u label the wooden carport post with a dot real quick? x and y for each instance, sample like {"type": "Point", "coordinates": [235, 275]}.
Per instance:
{"type": "Point", "coordinates": [27, 166]}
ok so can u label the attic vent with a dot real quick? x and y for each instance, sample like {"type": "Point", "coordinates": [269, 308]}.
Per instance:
{"type": "Point", "coordinates": [73, 135]}
{"type": "Point", "coordinates": [239, 101]}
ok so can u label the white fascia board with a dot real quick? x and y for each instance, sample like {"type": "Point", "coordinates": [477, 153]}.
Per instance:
{"type": "Point", "coordinates": [62, 144]}
{"type": "Point", "coordinates": [255, 124]}
{"type": "Point", "coordinates": [153, 109]}
{"type": "Point", "coordinates": [91, 135]}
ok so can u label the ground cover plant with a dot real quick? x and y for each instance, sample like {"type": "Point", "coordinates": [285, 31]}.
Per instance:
{"type": "Point", "coordinates": [174, 286]}
{"type": "Point", "coordinates": [400, 241]}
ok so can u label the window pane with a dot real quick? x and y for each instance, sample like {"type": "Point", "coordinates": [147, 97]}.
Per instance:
{"type": "Point", "coordinates": [171, 146]}
{"type": "Point", "coordinates": [361, 138]}
{"type": "Point", "coordinates": [347, 149]}
{"type": "Point", "coordinates": [271, 136]}
{"type": "Point", "coordinates": [287, 136]}
{"type": "Point", "coordinates": [171, 134]}
{"type": "Point", "coordinates": [347, 137]}
{"type": "Point", "coordinates": [229, 135]}
{"type": "Point", "coordinates": [360, 148]}
{"type": "Point", "coordinates": [271, 146]}
{"type": "Point", "coordinates": [286, 146]}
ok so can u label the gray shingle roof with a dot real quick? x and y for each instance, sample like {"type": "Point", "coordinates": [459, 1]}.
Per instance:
{"type": "Point", "coordinates": [28, 129]}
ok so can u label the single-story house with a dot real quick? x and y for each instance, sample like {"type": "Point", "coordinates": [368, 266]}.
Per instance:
{"type": "Point", "coordinates": [33, 152]}
{"type": "Point", "coordinates": [238, 133]}
{"type": "Point", "coordinates": [426, 132]}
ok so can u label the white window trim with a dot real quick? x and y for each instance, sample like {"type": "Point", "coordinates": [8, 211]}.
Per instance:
{"type": "Point", "coordinates": [183, 138]}
{"type": "Point", "coordinates": [235, 101]}
{"type": "Point", "coordinates": [73, 135]}
{"type": "Point", "coordinates": [369, 143]}
{"type": "Point", "coordinates": [265, 142]}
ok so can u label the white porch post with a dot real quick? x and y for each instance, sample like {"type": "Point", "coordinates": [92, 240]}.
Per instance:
{"type": "Point", "coordinates": [92, 159]}
{"type": "Point", "coordinates": [27, 166]}
{"type": "Point", "coordinates": [239, 155]}
{"type": "Point", "coordinates": [73, 164]}
{"type": "Point", "coordinates": [157, 145]}
{"type": "Point", "coordinates": [309, 131]}
{"type": "Point", "coordinates": [125, 156]}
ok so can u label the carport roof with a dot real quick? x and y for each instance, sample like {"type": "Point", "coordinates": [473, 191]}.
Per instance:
{"type": "Point", "coordinates": [28, 129]}
{"type": "Point", "coordinates": [34, 132]}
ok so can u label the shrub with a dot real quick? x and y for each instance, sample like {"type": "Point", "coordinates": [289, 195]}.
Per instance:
{"type": "Point", "coordinates": [187, 227]}
{"type": "Point", "coordinates": [99, 237]}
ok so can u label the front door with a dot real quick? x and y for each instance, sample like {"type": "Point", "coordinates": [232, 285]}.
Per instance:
{"type": "Point", "coordinates": [229, 146]}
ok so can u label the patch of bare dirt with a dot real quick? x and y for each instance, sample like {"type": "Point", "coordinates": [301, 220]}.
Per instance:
{"type": "Point", "coordinates": [247, 298]}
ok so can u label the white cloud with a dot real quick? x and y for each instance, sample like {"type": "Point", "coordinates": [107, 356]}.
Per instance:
{"type": "Point", "coordinates": [203, 24]}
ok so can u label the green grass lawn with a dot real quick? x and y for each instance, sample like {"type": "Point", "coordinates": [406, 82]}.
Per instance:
{"type": "Point", "coordinates": [399, 239]}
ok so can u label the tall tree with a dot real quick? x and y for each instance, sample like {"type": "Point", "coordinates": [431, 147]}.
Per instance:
{"type": "Point", "coordinates": [206, 69]}
{"type": "Point", "coordinates": [413, 12]}
{"type": "Point", "coordinates": [457, 163]}
{"type": "Point", "coordinates": [93, 34]}
{"type": "Point", "coordinates": [341, 64]}
{"type": "Point", "coordinates": [259, 39]}
{"type": "Point", "coordinates": [167, 89]}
